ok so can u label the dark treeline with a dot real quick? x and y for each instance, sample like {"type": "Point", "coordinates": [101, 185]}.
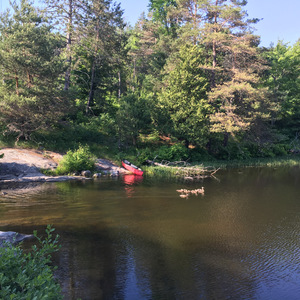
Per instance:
{"type": "Point", "coordinates": [187, 81]}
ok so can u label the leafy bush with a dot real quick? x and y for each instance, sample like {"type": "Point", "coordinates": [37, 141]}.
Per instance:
{"type": "Point", "coordinates": [272, 150]}
{"type": "Point", "coordinates": [144, 155]}
{"type": "Point", "coordinates": [176, 152]}
{"type": "Point", "coordinates": [29, 275]}
{"type": "Point", "coordinates": [105, 123]}
{"type": "Point", "coordinates": [77, 161]}
{"type": "Point", "coordinates": [280, 149]}
{"type": "Point", "coordinates": [133, 118]}
{"type": "Point", "coordinates": [200, 154]}
{"type": "Point", "coordinates": [67, 136]}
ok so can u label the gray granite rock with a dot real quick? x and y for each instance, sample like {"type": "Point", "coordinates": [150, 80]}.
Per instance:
{"type": "Point", "coordinates": [13, 237]}
{"type": "Point", "coordinates": [86, 173]}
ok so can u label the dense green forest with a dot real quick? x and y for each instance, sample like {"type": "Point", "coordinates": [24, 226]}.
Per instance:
{"type": "Point", "coordinates": [188, 81]}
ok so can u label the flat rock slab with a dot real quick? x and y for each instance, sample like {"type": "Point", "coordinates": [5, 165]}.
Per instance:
{"type": "Point", "coordinates": [27, 160]}
{"type": "Point", "coordinates": [23, 165]}
{"type": "Point", "coordinates": [106, 165]}
{"type": "Point", "coordinates": [13, 237]}
{"type": "Point", "coordinates": [42, 178]}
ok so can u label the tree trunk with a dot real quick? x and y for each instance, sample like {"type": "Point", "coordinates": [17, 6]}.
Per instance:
{"type": "Point", "coordinates": [17, 84]}
{"type": "Point", "coordinates": [208, 146]}
{"type": "Point", "coordinates": [92, 89]}
{"type": "Point", "coordinates": [29, 80]}
{"type": "Point", "coordinates": [119, 87]}
{"type": "Point", "coordinates": [69, 42]}
{"type": "Point", "coordinates": [214, 63]}
{"type": "Point", "coordinates": [195, 21]}
{"type": "Point", "coordinates": [134, 73]}
{"type": "Point", "coordinates": [225, 140]}
{"type": "Point", "coordinates": [186, 144]}
{"type": "Point", "coordinates": [134, 139]}
{"type": "Point", "coordinates": [214, 55]}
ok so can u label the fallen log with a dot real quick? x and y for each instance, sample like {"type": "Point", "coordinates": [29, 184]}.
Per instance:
{"type": "Point", "coordinates": [188, 171]}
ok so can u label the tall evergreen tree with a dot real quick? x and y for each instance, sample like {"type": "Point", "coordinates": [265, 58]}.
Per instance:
{"type": "Point", "coordinates": [29, 58]}
{"type": "Point", "coordinates": [100, 46]}
{"type": "Point", "coordinates": [184, 98]}
{"type": "Point", "coordinates": [234, 66]}
{"type": "Point", "coordinates": [161, 13]}
{"type": "Point", "coordinates": [65, 16]}
{"type": "Point", "coordinates": [231, 61]}
{"type": "Point", "coordinates": [148, 51]}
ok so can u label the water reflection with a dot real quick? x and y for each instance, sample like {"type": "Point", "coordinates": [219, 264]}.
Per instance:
{"type": "Point", "coordinates": [130, 181]}
{"type": "Point", "coordinates": [239, 241]}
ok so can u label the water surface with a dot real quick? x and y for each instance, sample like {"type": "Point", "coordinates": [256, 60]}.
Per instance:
{"type": "Point", "coordinates": [135, 238]}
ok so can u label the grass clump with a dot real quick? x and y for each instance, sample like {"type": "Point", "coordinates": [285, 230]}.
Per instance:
{"type": "Point", "coordinates": [160, 172]}
{"type": "Point", "coordinates": [177, 171]}
{"type": "Point", "coordinates": [76, 161]}
{"type": "Point", "coordinates": [274, 162]}
{"type": "Point", "coordinates": [29, 275]}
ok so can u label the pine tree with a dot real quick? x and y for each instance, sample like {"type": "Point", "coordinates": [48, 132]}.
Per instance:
{"type": "Point", "coordinates": [29, 58]}
{"type": "Point", "coordinates": [100, 47]}
{"type": "Point", "coordinates": [184, 98]}
{"type": "Point", "coordinates": [230, 61]}
{"type": "Point", "coordinates": [234, 65]}
{"type": "Point", "coordinates": [64, 14]}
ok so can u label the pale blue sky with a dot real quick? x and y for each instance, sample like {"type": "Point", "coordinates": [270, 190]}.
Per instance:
{"type": "Point", "coordinates": [281, 19]}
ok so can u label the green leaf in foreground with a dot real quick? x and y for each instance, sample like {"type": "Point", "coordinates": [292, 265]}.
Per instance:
{"type": "Point", "coordinates": [29, 275]}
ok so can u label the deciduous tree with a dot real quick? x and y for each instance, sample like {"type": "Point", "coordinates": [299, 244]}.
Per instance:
{"type": "Point", "coordinates": [283, 82]}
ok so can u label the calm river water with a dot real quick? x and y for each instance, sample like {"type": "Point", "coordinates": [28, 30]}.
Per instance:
{"type": "Point", "coordinates": [135, 238]}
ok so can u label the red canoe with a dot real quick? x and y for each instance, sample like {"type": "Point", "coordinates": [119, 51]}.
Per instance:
{"type": "Point", "coordinates": [132, 168]}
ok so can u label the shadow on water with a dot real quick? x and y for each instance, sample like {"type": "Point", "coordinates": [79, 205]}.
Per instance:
{"type": "Point", "coordinates": [135, 239]}
{"type": "Point", "coordinates": [120, 265]}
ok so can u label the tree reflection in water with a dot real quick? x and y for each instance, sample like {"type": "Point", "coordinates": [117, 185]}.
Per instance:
{"type": "Point", "coordinates": [238, 241]}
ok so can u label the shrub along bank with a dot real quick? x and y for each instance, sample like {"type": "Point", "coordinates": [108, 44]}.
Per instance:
{"type": "Point", "coordinates": [29, 275]}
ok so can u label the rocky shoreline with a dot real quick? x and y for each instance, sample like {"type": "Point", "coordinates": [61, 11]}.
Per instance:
{"type": "Point", "coordinates": [23, 165]}
{"type": "Point", "coordinates": [20, 173]}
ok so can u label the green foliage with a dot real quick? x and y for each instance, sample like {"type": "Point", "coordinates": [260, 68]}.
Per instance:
{"type": "Point", "coordinates": [176, 152]}
{"type": "Point", "coordinates": [24, 115]}
{"type": "Point", "coordinates": [184, 99]}
{"type": "Point", "coordinates": [161, 172]}
{"type": "Point", "coordinates": [200, 154]}
{"type": "Point", "coordinates": [273, 150]}
{"type": "Point", "coordinates": [98, 130]}
{"type": "Point", "coordinates": [100, 53]}
{"type": "Point", "coordinates": [29, 275]}
{"type": "Point", "coordinates": [77, 161]}
{"type": "Point", "coordinates": [30, 64]}
{"type": "Point", "coordinates": [133, 118]}
{"type": "Point", "coordinates": [160, 9]}
{"type": "Point", "coordinates": [282, 79]}
{"type": "Point", "coordinates": [240, 149]}
{"type": "Point", "coordinates": [191, 70]}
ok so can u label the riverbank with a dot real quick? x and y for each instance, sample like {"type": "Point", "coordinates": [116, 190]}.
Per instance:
{"type": "Point", "coordinates": [289, 160]}
{"type": "Point", "coordinates": [23, 165]}
{"type": "Point", "coordinates": [26, 165]}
